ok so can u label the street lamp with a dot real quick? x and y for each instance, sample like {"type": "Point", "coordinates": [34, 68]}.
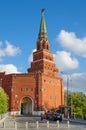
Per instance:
{"type": "Point", "coordinates": [71, 101]}
{"type": "Point", "coordinates": [68, 84]}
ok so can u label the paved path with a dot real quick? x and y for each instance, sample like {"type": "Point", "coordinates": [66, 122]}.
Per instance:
{"type": "Point", "coordinates": [32, 124]}
{"type": "Point", "coordinates": [77, 121]}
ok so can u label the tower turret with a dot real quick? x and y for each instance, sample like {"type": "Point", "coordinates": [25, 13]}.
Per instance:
{"type": "Point", "coordinates": [42, 42]}
{"type": "Point", "coordinates": [42, 57]}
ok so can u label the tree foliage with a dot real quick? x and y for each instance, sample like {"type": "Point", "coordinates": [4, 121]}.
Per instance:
{"type": "Point", "coordinates": [3, 101]}
{"type": "Point", "coordinates": [77, 101]}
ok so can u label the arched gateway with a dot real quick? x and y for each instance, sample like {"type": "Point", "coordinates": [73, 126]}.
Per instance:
{"type": "Point", "coordinates": [26, 106]}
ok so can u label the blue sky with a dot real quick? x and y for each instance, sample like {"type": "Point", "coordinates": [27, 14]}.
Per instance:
{"type": "Point", "coordinates": [66, 27]}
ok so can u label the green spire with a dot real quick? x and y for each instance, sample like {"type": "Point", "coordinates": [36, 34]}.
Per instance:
{"type": "Point", "coordinates": [42, 24]}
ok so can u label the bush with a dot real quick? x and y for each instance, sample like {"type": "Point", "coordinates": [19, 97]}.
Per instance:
{"type": "Point", "coordinates": [3, 101]}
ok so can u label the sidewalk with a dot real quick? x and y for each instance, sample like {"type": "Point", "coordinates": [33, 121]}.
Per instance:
{"type": "Point", "coordinates": [77, 121]}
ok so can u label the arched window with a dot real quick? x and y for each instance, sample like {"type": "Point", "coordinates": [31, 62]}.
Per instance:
{"type": "Point", "coordinates": [38, 47]}
{"type": "Point", "coordinates": [47, 47]}
{"type": "Point", "coordinates": [43, 46]}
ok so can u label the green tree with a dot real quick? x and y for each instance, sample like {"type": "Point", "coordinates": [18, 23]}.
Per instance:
{"type": "Point", "coordinates": [77, 100]}
{"type": "Point", "coordinates": [3, 101]}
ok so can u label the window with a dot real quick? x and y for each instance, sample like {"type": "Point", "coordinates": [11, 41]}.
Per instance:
{"type": "Point", "coordinates": [31, 89]}
{"type": "Point", "coordinates": [50, 81]}
{"type": "Point", "coordinates": [26, 89]}
{"type": "Point", "coordinates": [21, 89]}
{"type": "Point", "coordinates": [44, 80]}
{"type": "Point", "coordinates": [43, 45]}
{"type": "Point", "coordinates": [50, 97]}
{"type": "Point", "coordinates": [47, 47]}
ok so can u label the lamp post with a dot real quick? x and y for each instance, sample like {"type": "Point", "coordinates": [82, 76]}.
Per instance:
{"type": "Point", "coordinates": [67, 88]}
{"type": "Point", "coordinates": [67, 94]}
{"type": "Point", "coordinates": [71, 100]}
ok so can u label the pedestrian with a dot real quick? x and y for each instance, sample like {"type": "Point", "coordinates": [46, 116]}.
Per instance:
{"type": "Point", "coordinates": [41, 116]}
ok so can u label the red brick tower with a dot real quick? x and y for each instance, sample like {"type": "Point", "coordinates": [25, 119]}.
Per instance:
{"type": "Point", "coordinates": [50, 91]}
{"type": "Point", "coordinates": [40, 89]}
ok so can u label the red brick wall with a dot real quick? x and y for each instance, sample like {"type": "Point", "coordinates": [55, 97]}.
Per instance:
{"type": "Point", "coordinates": [50, 90]}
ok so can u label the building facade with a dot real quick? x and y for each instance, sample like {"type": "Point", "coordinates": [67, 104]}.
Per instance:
{"type": "Point", "coordinates": [40, 89]}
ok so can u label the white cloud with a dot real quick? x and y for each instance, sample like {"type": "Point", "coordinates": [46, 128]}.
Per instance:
{"type": "Point", "coordinates": [77, 82]}
{"type": "Point", "coordinates": [64, 61]}
{"type": "Point", "coordinates": [8, 68]}
{"type": "Point", "coordinates": [0, 43]}
{"type": "Point", "coordinates": [9, 50]}
{"type": "Point", "coordinates": [70, 41]}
